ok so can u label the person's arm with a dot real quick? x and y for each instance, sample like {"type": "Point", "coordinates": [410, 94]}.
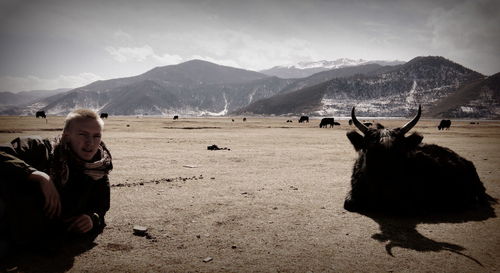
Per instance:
{"type": "Point", "coordinates": [11, 166]}
{"type": "Point", "coordinates": [52, 206]}
{"type": "Point", "coordinates": [23, 156]}
{"type": "Point", "coordinates": [24, 161]}
{"type": "Point", "coordinates": [92, 220]}
{"type": "Point", "coordinates": [100, 203]}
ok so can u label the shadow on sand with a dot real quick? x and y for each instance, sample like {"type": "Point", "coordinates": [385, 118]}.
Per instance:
{"type": "Point", "coordinates": [400, 231]}
{"type": "Point", "coordinates": [58, 257]}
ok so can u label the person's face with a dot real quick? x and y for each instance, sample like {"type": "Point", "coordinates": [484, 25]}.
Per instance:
{"type": "Point", "coordinates": [84, 137]}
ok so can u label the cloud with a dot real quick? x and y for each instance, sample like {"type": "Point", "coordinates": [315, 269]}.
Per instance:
{"type": "Point", "coordinates": [141, 54]}
{"type": "Point", "coordinates": [469, 32]}
{"type": "Point", "coordinates": [467, 25]}
{"type": "Point", "coordinates": [16, 84]}
{"type": "Point", "coordinates": [224, 47]}
{"type": "Point", "coordinates": [122, 35]}
{"type": "Point", "coordinates": [251, 51]}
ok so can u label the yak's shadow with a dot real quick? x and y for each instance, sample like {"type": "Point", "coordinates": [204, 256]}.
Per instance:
{"type": "Point", "coordinates": [400, 231]}
{"type": "Point", "coordinates": [55, 257]}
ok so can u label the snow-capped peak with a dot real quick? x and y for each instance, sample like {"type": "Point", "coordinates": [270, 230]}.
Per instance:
{"type": "Point", "coordinates": [343, 62]}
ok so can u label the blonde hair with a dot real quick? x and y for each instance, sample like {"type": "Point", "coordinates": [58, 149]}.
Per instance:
{"type": "Point", "coordinates": [81, 114]}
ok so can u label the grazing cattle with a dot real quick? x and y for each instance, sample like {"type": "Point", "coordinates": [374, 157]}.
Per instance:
{"type": "Point", "coordinates": [398, 173]}
{"type": "Point", "coordinates": [244, 119]}
{"type": "Point", "coordinates": [104, 115]}
{"type": "Point", "coordinates": [350, 122]}
{"type": "Point", "coordinates": [304, 119]}
{"type": "Point", "coordinates": [40, 114]}
{"type": "Point", "coordinates": [289, 121]}
{"type": "Point", "coordinates": [444, 124]}
{"type": "Point", "coordinates": [176, 117]}
{"type": "Point", "coordinates": [325, 122]}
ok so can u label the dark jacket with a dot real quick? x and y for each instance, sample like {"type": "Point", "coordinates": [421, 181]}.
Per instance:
{"type": "Point", "coordinates": [80, 195]}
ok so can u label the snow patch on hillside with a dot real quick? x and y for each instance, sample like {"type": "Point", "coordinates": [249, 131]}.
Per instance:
{"type": "Point", "coordinates": [411, 98]}
{"type": "Point", "coordinates": [467, 109]}
{"type": "Point", "coordinates": [381, 107]}
{"type": "Point", "coordinates": [221, 113]}
{"type": "Point", "coordinates": [250, 96]}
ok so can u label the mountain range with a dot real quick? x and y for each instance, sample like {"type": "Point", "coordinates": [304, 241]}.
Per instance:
{"type": "Point", "coordinates": [196, 88]}
{"type": "Point", "coordinates": [432, 82]}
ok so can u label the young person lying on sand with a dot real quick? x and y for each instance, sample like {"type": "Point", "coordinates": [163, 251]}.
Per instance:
{"type": "Point", "coordinates": [54, 188]}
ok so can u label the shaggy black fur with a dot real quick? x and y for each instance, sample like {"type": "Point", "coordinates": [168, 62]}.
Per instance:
{"type": "Point", "coordinates": [398, 173]}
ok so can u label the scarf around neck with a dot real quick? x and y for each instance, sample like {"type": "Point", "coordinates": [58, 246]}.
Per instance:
{"type": "Point", "coordinates": [63, 157]}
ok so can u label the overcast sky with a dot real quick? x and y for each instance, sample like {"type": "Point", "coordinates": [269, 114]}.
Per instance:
{"type": "Point", "coordinates": [48, 44]}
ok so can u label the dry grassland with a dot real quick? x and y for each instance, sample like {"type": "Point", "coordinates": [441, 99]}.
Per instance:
{"type": "Point", "coordinates": [272, 203]}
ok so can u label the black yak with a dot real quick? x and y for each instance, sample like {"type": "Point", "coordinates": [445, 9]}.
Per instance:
{"type": "Point", "coordinates": [176, 117]}
{"type": "Point", "coordinates": [398, 173]}
{"type": "Point", "coordinates": [304, 119]}
{"type": "Point", "coordinates": [40, 114]}
{"type": "Point", "coordinates": [104, 115]}
{"type": "Point", "coordinates": [444, 124]}
{"type": "Point", "coordinates": [326, 121]}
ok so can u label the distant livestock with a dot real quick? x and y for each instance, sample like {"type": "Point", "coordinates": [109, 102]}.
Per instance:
{"type": "Point", "coordinates": [368, 124]}
{"type": "Point", "coordinates": [444, 124]}
{"type": "Point", "coordinates": [104, 115]}
{"type": "Point", "coordinates": [304, 119]}
{"type": "Point", "coordinates": [40, 114]}
{"type": "Point", "coordinates": [326, 121]}
{"type": "Point", "coordinates": [336, 123]}
{"type": "Point", "coordinates": [398, 173]}
{"type": "Point", "coordinates": [176, 117]}
{"type": "Point", "coordinates": [244, 119]}
{"type": "Point", "coordinates": [289, 121]}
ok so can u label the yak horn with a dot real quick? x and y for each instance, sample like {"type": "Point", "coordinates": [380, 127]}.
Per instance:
{"type": "Point", "coordinates": [358, 124]}
{"type": "Point", "coordinates": [407, 127]}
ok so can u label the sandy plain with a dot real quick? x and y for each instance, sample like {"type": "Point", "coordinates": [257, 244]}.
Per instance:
{"type": "Point", "coordinates": [272, 203]}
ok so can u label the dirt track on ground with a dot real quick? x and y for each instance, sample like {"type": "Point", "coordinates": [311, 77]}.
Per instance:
{"type": "Point", "coordinates": [272, 203]}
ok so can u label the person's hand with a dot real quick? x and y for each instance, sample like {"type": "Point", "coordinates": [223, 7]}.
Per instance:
{"type": "Point", "coordinates": [52, 206]}
{"type": "Point", "coordinates": [79, 224]}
